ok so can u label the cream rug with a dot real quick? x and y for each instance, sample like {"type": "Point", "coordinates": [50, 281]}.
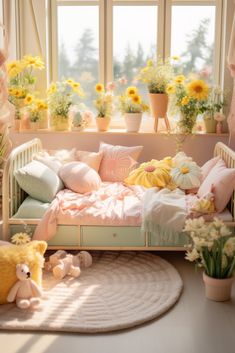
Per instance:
{"type": "Point", "coordinates": [120, 290]}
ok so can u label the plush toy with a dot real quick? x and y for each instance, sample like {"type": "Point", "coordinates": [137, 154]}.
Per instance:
{"type": "Point", "coordinates": [25, 291]}
{"type": "Point", "coordinates": [206, 204]}
{"type": "Point", "coordinates": [62, 264]}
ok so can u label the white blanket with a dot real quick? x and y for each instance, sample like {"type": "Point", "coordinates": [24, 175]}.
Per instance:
{"type": "Point", "coordinates": [164, 208]}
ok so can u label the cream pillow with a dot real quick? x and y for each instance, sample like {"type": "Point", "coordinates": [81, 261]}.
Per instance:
{"type": "Point", "coordinates": [92, 159]}
{"type": "Point", "coordinates": [79, 177]}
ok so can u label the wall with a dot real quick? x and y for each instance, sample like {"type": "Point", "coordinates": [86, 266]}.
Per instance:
{"type": "Point", "coordinates": [200, 147]}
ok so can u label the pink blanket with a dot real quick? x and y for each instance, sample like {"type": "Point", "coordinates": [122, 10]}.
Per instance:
{"type": "Point", "coordinates": [113, 204]}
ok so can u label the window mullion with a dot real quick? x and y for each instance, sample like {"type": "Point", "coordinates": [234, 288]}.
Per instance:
{"type": "Point", "coordinates": [161, 28]}
{"type": "Point", "coordinates": [102, 44]}
{"type": "Point", "coordinates": [218, 40]}
{"type": "Point", "coordinates": [109, 41]}
{"type": "Point", "coordinates": [167, 28]}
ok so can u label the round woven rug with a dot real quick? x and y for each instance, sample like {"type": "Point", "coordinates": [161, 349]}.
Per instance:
{"type": "Point", "coordinates": [120, 290]}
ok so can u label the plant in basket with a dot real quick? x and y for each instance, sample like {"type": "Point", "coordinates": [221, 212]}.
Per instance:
{"type": "Point", "coordinates": [132, 106]}
{"type": "Point", "coordinates": [35, 108]}
{"type": "Point", "coordinates": [60, 96]}
{"type": "Point", "coordinates": [213, 248]}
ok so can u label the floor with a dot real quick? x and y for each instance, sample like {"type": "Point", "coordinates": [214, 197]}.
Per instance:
{"type": "Point", "coordinates": [193, 325]}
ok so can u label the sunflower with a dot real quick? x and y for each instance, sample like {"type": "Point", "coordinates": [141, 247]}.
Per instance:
{"type": "Point", "coordinates": [136, 99]}
{"type": "Point", "coordinates": [170, 89]}
{"type": "Point", "coordinates": [14, 68]}
{"type": "Point", "coordinates": [28, 99]}
{"type": "Point", "coordinates": [33, 61]}
{"type": "Point", "coordinates": [185, 100]}
{"type": "Point", "coordinates": [198, 89]}
{"type": "Point", "coordinates": [69, 81]}
{"type": "Point", "coordinates": [20, 238]}
{"type": "Point", "coordinates": [99, 87]}
{"type": "Point", "coordinates": [52, 88]}
{"type": "Point", "coordinates": [41, 105]}
{"type": "Point", "coordinates": [179, 79]}
{"type": "Point", "coordinates": [131, 91]}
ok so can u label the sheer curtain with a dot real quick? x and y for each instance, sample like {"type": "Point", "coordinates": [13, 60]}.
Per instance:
{"type": "Point", "coordinates": [231, 64]}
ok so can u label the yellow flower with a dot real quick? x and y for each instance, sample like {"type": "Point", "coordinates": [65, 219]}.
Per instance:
{"type": "Point", "coordinates": [185, 100]}
{"type": "Point", "coordinates": [99, 87]}
{"type": "Point", "coordinates": [175, 58]}
{"type": "Point", "coordinates": [184, 170]}
{"type": "Point", "coordinates": [28, 99]}
{"type": "Point", "coordinates": [14, 68]}
{"type": "Point", "coordinates": [198, 89]}
{"type": "Point", "coordinates": [136, 99]}
{"type": "Point", "coordinates": [69, 81]}
{"type": "Point", "coordinates": [20, 238]}
{"type": "Point", "coordinates": [145, 107]}
{"type": "Point", "coordinates": [170, 89]}
{"type": "Point", "coordinates": [131, 91]}
{"type": "Point", "coordinates": [41, 105]}
{"type": "Point", "coordinates": [52, 88]}
{"type": "Point", "coordinates": [33, 61]}
{"type": "Point", "coordinates": [179, 79]}
{"type": "Point", "coordinates": [150, 62]}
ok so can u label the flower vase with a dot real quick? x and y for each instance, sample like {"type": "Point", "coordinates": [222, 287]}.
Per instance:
{"type": "Point", "coordinates": [218, 289]}
{"type": "Point", "coordinates": [25, 121]}
{"type": "Point", "coordinates": [59, 123]}
{"type": "Point", "coordinates": [219, 127]}
{"type": "Point", "coordinates": [133, 121]}
{"type": "Point", "coordinates": [102, 123]}
{"type": "Point", "coordinates": [210, 123]}
{"type": "Point", "coordinates": [158, 105]}
{"type": "Point", "coordinates": [43, 122]}
{"type": "Point", "coordinates": [187, 123]}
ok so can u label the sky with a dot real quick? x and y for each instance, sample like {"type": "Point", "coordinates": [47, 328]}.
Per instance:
{"type": "Point", "coordinates": [132, 25]}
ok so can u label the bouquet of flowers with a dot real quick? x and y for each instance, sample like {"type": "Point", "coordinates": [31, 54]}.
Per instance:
{"type": "Point", "coordinates": [157, 74]}
{"type": "Point", "coordinates": [187, 98]}
{"type": "Point", "coordinates": [131, 102]}
{"type": "Point", "coordinates": [104, 101]}
{"type": "Point", "coordinates": [22, 79]}
{"type": "Point", "coordinates": [213, 247]}
{"type": "Point", "coordinates": [35, 107]}
{"type": "Point", "coordinates": [214, 104]}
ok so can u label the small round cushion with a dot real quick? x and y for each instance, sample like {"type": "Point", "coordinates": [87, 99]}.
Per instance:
{"type": "Point", "coordinates": [79, 177]}
{"type": "Point", "coordinates": [187, 175]}
{"type": "Point", "coordinates": [151, 174]}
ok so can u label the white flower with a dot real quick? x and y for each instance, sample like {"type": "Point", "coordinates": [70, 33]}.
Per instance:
{"type": "Point", "coordinates": [20, 238]}
{"type": "Point", "coordinates": [214, 234]}
{"type": "Point", "coordinates": [194, 224]}
{"type": "Point", "coordinates": [192, 255]}
{"type": "Point", "coordinates": [224, 231]}
{"type": "Point", "coordinates": [229, 247]}
{"type": "Point", "coordinates": [219, 116]}
{"type": "Point", "coordinates": [218, 222]}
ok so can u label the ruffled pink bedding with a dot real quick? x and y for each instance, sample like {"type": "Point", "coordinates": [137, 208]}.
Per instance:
{"type": "Point", "coordinates": [113, 204]}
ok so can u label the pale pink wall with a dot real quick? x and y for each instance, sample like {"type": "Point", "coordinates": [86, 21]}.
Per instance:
{"type": "Point", "coordinates": [157, 146]}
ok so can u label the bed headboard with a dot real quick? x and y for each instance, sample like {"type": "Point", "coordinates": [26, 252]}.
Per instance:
{"type": "Point", "coordinates": [228, 156]}
{"type": "Point", "coordinates": [12, 194]}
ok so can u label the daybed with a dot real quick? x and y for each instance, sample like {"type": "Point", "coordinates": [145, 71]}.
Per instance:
{"type": "Point", "coordinates": [87, 236]}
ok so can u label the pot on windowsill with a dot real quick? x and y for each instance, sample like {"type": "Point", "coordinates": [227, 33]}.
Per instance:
{"type": "Point", "coordinates": [102, 123]}
{"type": "Point", "coordinates": [218, 289]}
{"type": "Point", "coordinates": [133, 121]}
{"type": "Point", "coordinates": [210, 123]}
{"type": "Point", "coordinates": [158, 106]}
{"type": "Point", "coordinates": [34, 125]}
{"type": "Point", "coordinates": [17, 124]}
{"type": "Point", "coordinates": [59, 123]}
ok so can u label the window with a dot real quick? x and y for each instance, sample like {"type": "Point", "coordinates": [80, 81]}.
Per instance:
{"type": "Point", "coordinates": [1, 22]}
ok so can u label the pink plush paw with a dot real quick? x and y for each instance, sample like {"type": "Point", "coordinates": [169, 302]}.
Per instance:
{"type": "Point", "coordinates": [22, 303]}
{"type": "Point", "coordinates": [34, 302]}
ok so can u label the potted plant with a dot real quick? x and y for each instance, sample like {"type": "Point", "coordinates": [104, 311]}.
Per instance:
{"type": "Point", "coordinates": [132, 107]}
{"type": "Point", "coordinates": [216, 101]}
{"type": "Point", "coordinates": [104, 106]}
{"type": "Point", "coordinates": [157, 74]}
{"type": "Point", "coordinates": [60, 97]}
{"type": "Point", "coordinates": [187, 98]}
{"type": "Point", "coordinates": [21, 83]}
{"type": "Point", "coordinates": [213, 248]}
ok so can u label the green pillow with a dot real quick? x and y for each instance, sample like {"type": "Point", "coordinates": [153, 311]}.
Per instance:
{"type": "Point", "coordinates": [39, 181]}
{"type": "Point", "coordinates": [31, 208]}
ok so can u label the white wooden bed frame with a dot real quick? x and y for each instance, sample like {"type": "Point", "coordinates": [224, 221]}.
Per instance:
{"type": "Point", "coordinates": [13, 196]}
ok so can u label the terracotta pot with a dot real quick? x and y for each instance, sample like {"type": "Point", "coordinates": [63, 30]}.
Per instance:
{"type": "Point", "coordinates": [133, 121]}
{"type": "Point", "coordinates": [102, 123]}
{"type": "Point", "coordinates": [218, 289]}
{"type": "Point", "coordinates": [17, 124]}
{"type": "Point", "coordinates": [34, 125]}
{"type": "Point", "coordinates": [25, 121]}
{"type": "Point", "coordinates": [158, 105]}
{"type": "Point", "coordinates": [59, 123]}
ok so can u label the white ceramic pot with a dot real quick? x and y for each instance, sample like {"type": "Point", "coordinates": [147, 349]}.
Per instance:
{"type": "Point", "coordinates": [102, 123]}
{"type": "Point", "coordinates": [133, 121]}
{"type": "Point", "coordinates": [218, 289]}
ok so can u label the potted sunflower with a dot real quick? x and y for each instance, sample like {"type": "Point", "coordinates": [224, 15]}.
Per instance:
{"type": "Point", "coordinates": [132, 107]}
{"type": "Point", "coordinates": [187, 99]}
{"type": "Point", "coordinates": [157, 74]}
{"type": "Point", "coordinates": [104, 106]}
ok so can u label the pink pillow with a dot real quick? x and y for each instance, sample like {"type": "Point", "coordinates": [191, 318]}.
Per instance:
{"type": "Point", "coordinates": [79, 177]}
{"type": "Point", "coordinates": [118, 161]}
{"type": "Point", "coordinates": [93, 159]}
{"type": "Point", "coordinates": [206, 168]}
{"type": "Point", "coordinates": [222, 181]}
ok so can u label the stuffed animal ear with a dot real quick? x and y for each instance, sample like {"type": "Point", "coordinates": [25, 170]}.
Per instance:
{"type": "Point", "coordinates": [40, 246]}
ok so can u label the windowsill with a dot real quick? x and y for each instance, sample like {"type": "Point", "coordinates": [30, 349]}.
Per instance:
{"type": "Point", "coordinates": [116, 131]}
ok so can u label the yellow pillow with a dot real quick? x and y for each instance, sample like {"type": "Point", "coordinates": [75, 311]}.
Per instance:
{"type": "Point", "coordinates": [30, 254]}
{"type": "Point", "coordinates": [151, 174]}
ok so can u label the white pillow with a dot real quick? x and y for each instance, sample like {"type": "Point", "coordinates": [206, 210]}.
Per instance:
{"type": "Point", "coordinates": [50, 161]}
{"type": "Point", "coordinates": [92, 159]}
{"type": "Point", "coordinates": [79, 177]}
